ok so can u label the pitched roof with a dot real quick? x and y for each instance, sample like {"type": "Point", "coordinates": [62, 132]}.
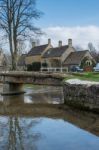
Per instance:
{"type": "Point", "coordinates": [37, 50]}
{"type": "Point", "coordinates": [75, 58]}
{"type": "Point", "coordinates": [21, 61]}
{"type": "Point", "coordinates": [55, 52]}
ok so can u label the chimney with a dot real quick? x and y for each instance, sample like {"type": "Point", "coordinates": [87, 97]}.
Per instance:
{"type": "Point", "coordinates": [49, 41]}
{"type": "Point", "coordinates": [70, 42]}
{"type": "Point", "coordinates": [60, 43]}
{"type": "Point", "coordinates": [33, 44]}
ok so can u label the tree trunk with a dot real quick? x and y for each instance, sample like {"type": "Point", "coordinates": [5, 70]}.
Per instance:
{"type": "Point", "coordinates": [13, 55]}
{"type": "Point", "coordinates": [14, 62]}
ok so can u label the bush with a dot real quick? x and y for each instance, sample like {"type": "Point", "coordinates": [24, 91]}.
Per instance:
{"type": "Point", "coordinates": [29, 67]}
{"type": "Point", "coordinates": [36, 66]}
{"type": "Point", "coordinates": [44, 64]}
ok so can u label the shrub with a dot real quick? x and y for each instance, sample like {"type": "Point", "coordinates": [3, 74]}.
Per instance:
{"type": "Point", "coordinates": [44, 64]}
{"type": "Point", "coordinates": [29, 67]}
{"type": "Point", "coordinates": [35, 66]}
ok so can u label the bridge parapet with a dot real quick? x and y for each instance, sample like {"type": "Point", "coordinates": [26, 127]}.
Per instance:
{"type": "Point", "coordinates": [32, 77]}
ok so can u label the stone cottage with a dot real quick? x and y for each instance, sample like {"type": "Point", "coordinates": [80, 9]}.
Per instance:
{"type": "Point", "coordinates": [66, 58]}
{"type": "Point", "coordinates": [55, 57]}
{"type": "Point", "coordinates": [61, 58]}
{"type": "Point", "coordinates": [83, 59]}
{"type": "Point", "coordinates": [36, 53]}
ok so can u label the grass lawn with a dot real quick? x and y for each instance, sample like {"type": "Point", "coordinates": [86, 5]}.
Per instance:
{"type": "Point", "coordinates": [90, 76]}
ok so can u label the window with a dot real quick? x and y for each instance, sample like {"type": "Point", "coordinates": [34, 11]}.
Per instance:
{"type": "Point", "coordinates": [88, 62]}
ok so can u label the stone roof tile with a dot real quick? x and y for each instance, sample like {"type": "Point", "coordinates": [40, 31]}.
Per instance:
{"type": "Point", "coordinates": [75, 58]}
{"type": "Point", "coordinates": [55, 52]}
{"type": "Point", "coordinates": [37, 50]}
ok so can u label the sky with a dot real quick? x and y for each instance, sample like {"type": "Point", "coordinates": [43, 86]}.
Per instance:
{"type": "Point", "coordinates": [76, 19]}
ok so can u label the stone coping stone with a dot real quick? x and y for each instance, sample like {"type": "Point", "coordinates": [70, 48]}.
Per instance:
{"type": "Point", "coordinates": [81, 82]}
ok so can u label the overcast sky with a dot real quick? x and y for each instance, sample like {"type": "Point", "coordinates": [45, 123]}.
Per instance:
{"type": "Point", "coordinates": [76, 19]}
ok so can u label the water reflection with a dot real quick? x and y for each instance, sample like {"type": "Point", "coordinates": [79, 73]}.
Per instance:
{"type": "Point", "coordinates": [37, 95]}
{"type": "Point", "coordinates": [16, 106]}
{"type": "Point", "coordinates": [24, 125]}
{"type": "Point", "coordinates": [18, 135]}
{"type": "Point", "coordinates": [15, 134]}
{"type": "Point", "coordinates": [44, 94]}
{"type": "Point", "coordinates": [44, 133]}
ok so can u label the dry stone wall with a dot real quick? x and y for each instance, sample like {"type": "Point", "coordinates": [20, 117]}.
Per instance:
{"type": "Point", "coordinates": [82, 96]}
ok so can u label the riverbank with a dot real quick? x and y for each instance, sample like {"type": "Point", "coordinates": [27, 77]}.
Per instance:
{"type": "Point", "coordinates": [87, 76]}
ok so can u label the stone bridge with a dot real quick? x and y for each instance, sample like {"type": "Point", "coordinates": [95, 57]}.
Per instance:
{"type": "Point", "coordinates": [13, 80]}
{"type": "Point", "coordinates": [32, 78]}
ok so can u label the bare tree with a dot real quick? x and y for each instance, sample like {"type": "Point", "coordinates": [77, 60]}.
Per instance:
{"type": "Point", "coordinates": [21, 46]}
{"type": "Point", "coordinates": [93, 51]}
{"type": "Point", "coordinates": [78, 48]}
{"type": "Point", "coordinates": [91, 47]}
{"type": "Point", "coordinates": [16, 20]}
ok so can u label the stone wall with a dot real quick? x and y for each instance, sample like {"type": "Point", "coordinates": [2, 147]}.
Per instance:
{"type": "Point", "coordinates": [82, 96]}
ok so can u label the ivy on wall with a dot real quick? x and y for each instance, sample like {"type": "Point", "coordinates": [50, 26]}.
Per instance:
{"type": "Point", "coordinates": [85, 64]}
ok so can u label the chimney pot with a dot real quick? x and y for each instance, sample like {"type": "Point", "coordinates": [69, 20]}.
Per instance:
{"type": "Point", "coordinates": [70, 42]}
{"type": "Point", "coordinates": [49, 41]}
{"type": "Point", "coordinates": [33, 44]}
{"type": "Point", "coordinates": [60, 43]}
